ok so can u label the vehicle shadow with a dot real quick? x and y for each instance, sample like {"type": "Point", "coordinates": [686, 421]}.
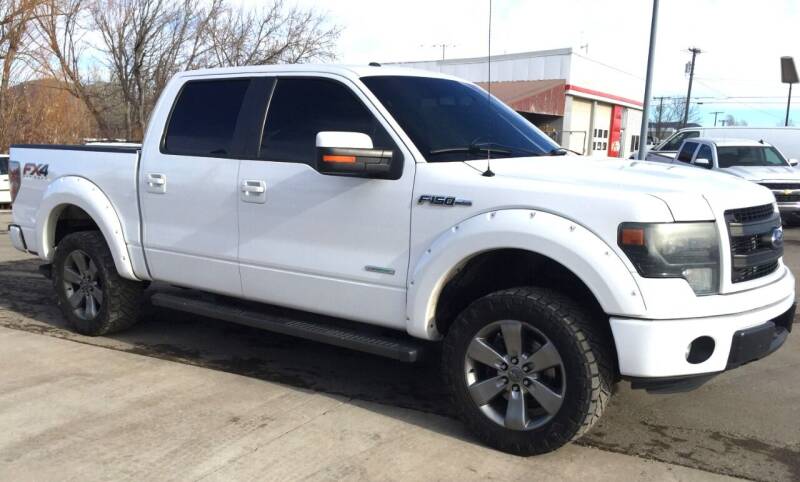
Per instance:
{"type": "Point", "coordinates": [28, 303]}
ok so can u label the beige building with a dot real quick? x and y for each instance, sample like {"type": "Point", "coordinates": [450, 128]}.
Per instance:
{"type": "Point", "coordinates": [585, 105]}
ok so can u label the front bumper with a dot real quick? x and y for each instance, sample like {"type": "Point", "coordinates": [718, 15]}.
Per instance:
{"type": "Point", "coordinates": [668, 349]}
{"type": "Point", "coordinates": [790, 212]}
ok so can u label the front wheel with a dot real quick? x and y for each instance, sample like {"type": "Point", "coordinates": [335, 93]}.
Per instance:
{"type": "Point", "coordinates": [93, 297]}
{"type": "Point", "coordinates": [527, 369]}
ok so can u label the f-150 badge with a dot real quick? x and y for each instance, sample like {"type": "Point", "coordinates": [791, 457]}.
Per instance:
{"type": "Point", "coordinates": [443, 200]}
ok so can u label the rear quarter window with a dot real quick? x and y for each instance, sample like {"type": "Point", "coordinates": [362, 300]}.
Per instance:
{"type": "Point", "coordinates": [204, 118]}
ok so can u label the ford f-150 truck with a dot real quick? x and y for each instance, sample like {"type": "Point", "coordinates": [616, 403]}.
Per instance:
{"type": "Point", "coordinates": [387, 210]}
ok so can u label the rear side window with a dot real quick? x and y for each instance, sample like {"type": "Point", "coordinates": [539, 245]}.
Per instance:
{"type": "Point", "coordinates": [204, 118]}
{"type": "Point", "coordinates": [686, 152]}
{"type": "Point", "coordinates": [301, 108]}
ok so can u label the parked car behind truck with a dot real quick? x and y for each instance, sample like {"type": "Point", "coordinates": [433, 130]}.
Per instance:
{"type": "Point", "coordinates": [361, 201]}
{"type": "Point", "coordinates": [758, 162]}
{"type": "Point", "coordinates": [785, 139]}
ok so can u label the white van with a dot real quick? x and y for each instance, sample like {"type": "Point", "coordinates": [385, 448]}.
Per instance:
{"type": "Point", "coordinates": [786, 139]}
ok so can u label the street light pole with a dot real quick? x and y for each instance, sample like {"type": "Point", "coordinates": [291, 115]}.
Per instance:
{"type": "Point", "coordinates": [694, 51]}
{"type": "Point", "coordinates": [648, 84]}
{"type": "Point", "coordinates": [715, 117]}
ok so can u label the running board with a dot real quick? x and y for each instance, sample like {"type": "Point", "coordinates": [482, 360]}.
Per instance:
{"type": "Point", "coordinates": [405, 349]}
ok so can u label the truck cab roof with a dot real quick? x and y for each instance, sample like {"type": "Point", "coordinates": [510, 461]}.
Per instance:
{"type": "Point", "coordinates": [349, 71]}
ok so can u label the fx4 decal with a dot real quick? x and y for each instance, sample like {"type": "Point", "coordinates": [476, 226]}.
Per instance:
{"type": "Point", "coordinates": [443, 200]}
{"type": "Point", "coordinates": [35, 171]}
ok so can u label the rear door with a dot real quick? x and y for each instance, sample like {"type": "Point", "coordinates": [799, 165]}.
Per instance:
{"type": "Point", "coordinates": [329, 244]}
{"type": "Point", "coordinates": [188, 187]}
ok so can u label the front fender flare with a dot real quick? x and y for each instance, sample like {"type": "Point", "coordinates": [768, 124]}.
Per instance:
{"type": "Point", "coordinates": [80, 192]}
{"type": "Point", "coordinates": [578, 249]}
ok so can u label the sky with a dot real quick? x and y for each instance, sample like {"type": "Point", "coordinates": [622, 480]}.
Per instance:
{"type": "Point", "coordinates": [742, 40]}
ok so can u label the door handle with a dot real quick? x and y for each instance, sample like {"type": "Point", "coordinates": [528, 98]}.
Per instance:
{"type": "Point", "coordinates": [254, 187]}
{"type": "Point", "coordinates": [254, 191]}
{"type": "Point", "coordinates": [156, 183]}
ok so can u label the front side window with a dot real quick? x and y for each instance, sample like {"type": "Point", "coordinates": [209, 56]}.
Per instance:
{"type": "Point", "coordinates": [302, 107]}
{"type": "Point", "coordinates": [3, 166]}
{"type": "Point", "coordinates": [204, 118]}
{"type": "Point", "coordinates": [686, 152]}
{"type": "Point", "coordinates": [449, 120]}
{"type": "Point", "coordinates": [674, 143]}
{"type": "Point", "coordinates": [705, 153]}
{"type": "Point", "coordinates": [729, 156]}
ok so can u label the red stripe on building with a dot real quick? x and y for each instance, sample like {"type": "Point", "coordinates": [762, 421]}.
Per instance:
{"type": "Point", "coordinates": [597, 93]}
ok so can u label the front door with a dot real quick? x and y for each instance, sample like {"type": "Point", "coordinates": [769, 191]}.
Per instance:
{"type": "Point", "coordinates": [188, 189]}
{"type": "Point", "coordinates": [328, 244]}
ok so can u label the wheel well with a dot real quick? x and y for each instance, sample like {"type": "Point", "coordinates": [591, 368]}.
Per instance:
{"type": "Point", "coordinates": [70, 220]}
{"type": "Point", "coordinates": [509, 268]}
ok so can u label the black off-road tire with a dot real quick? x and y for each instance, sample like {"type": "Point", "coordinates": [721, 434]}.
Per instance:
{"type": "Point", "coordinates": [122, 298]}
{"type": "Point", "coordinates": [583, 345]}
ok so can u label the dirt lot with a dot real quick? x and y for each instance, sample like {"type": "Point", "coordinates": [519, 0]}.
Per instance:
{"type": "Point", "coordinates": [179, 397]}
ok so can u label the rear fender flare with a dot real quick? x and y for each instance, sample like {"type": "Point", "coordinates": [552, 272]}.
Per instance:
{"type": "Point", "coordinates": [80, 192]}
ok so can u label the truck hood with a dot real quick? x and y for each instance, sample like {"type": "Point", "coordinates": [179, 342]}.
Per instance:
{"type": "Point", "coordinates": [689, 192]}
{"type": "Point", "coordinates": [763, 173]}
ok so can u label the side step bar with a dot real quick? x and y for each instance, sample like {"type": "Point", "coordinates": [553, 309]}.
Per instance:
{"type": "Point", "coordinates": [405, 349]}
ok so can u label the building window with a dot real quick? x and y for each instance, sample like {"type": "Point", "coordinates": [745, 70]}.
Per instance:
{"type": "Point", "coordinates": [634, 143]}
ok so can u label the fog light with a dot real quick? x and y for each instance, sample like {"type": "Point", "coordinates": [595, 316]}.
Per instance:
{"type": "Point", "coordinates": [700, 279]}
{"type": "Point", "coordinates": [700, 350]}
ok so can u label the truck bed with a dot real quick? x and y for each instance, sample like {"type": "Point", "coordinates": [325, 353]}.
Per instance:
{"type": "Point", "coordinates": [113, 169]}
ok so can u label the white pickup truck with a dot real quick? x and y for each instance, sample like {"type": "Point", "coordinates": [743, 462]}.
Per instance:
{"type": "Point", "coordinates": [756, 161]}
{"type": "Point", "coordinates": [360, 207]}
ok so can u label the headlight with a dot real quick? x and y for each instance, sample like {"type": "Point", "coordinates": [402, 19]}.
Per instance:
{"type": "Point", "coordinates": [674, 250]}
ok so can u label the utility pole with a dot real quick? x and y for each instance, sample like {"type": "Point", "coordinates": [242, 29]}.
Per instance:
{"type": "Point", "coordinates": [716, 113]}
{"type": "Point", "coordinates": [444, 48]}
{"type": "Point", "coordinates": [648, 84]}
{"type": "Point", "coordinates": [694, 51]}
{"type": "Point", "coordinates": [660, 112]}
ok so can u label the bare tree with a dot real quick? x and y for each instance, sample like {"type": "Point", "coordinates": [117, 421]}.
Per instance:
{"type": "Point", "coordinates": [116, 56]}
{"type": "Point", "coordinates": [270, 35]}
{"type": "Point", "coordinates": [15, 17]}
{"type": "Point", "coordinates": [60, 38]}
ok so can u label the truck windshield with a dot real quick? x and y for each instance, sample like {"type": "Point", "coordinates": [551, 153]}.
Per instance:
{"type": "Point", "coordinates": [453, 121]}
{"type": "Point", "coordinates": [729, 156]}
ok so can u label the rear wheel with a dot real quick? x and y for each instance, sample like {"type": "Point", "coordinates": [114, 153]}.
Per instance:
{"type": "Point", "coordinates": [93, 297]}
{"type": "Point", "coordinates": [528, 370]}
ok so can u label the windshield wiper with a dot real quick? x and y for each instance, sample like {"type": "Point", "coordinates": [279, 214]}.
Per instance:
{"type": "Point", "coordinates": [488, 147]}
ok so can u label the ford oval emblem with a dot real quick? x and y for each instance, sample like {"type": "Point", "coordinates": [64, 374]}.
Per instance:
{"type": "Point", "coordinates": [777, 238]}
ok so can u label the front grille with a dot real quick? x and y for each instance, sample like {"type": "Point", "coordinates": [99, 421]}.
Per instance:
{"type": "Point", "coordinates": [750, 232]}
{"type": "Point", "coordinates": [747, 274]}
{"type": "Point", "coordinates": [781, 185]}
{"type": "Point", "coordinates": [746, 215]}
{"type": "Point", "coordinates": [748, 244]}
{"type": "Point", "coordinates": [787, 198]}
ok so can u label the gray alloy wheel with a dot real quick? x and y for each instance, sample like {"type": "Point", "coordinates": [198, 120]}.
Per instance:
{"type": "Point", "coordinates": [82, 285]}
{"type": "Point", "coordinates": [515, 375]}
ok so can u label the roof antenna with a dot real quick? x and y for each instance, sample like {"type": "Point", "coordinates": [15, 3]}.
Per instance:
{"type": "Point", "coordinates": [488, 172]}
